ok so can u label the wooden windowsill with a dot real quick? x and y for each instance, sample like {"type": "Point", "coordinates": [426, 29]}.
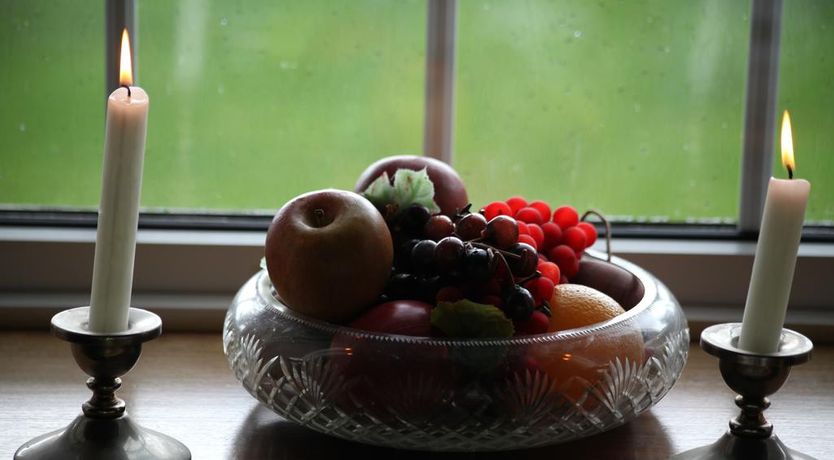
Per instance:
{"type": "Point", "coordinates": [183, 387]}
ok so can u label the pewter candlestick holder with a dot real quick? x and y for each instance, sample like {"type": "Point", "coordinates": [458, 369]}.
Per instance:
{"type": "Point", "coordinates": [754, 377]}
{"type": "Point", "coordinates": [104, 430]}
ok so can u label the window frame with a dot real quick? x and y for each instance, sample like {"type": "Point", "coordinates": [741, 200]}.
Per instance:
{"type": "Point", "coordinates": [194, 262]}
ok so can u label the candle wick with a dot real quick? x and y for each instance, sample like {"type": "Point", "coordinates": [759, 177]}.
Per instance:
{"type": "Point", "coordinates": [790, 172]}
{"type": "Point", "coordinates": [127, 88]}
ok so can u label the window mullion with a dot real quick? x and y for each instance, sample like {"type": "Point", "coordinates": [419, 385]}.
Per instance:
{"type": "Point", "coordinates": [760, 111]}
{"type": "Point", "coordinates": [118, 14]}
{"type": "Point", "coordinates": [440, 79]}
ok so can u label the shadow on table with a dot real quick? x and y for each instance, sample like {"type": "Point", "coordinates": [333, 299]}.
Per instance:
{"type": "Point", "coordinates": [265, 435]}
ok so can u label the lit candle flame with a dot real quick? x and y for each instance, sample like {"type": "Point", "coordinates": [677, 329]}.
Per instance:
{"type": "Point", "coordinates": [125, 67]}
{"type": "Point", "coordinates": [787, 145]}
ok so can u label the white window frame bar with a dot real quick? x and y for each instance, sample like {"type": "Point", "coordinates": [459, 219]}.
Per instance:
{"type": "Point", "coordinates": [438, 132]}
{"type": "Point", "coordinates": [760, 111]}
{"type": "Point", "coordinates": [118, 15]}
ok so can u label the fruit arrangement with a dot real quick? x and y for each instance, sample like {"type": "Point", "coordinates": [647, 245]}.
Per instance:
{"type": "Point", "coordinates": [398, 314]}
{"type": "Point", "coordinates": [405, 253]}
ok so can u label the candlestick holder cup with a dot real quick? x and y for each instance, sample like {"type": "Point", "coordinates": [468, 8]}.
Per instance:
{"type": "Point", "coordinates": [104, 430]}
{"type": "Point", "coordinates": [754, 377]}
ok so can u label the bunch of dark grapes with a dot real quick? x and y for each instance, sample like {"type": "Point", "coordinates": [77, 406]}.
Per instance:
{"type": "Point", "coordinates": [438, 258]}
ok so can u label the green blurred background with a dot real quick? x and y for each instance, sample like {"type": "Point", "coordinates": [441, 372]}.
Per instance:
{"type": "Point", "coordinates": [634, 108]}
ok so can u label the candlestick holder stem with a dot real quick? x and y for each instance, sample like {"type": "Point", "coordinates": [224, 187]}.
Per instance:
{"type": "Point", "coordinates": [754, 377]}
{"type": "Point", "coordinates": [104, 429]}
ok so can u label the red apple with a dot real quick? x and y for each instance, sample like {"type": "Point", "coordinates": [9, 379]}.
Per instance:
{"type": "Point", "coordinates": [402, 317]}
{"type": "Point", "coordinates": [449, 191]}
{"type": "Point", "coordinates": [386, 377]}
{"type": "Point", "coordinates": [329, 254]}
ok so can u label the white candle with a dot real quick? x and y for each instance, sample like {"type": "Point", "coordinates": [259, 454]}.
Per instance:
{"type": "Point", "coordinates": [773, 266]}
{"type": "Point", "coordinates": [124, 151]}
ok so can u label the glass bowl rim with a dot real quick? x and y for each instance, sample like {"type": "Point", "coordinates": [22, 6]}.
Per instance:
{"type": "Point", "coordinates": [265, 296]}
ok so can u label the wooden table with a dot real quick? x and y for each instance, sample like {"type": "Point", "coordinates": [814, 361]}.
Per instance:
{"type": "Point", "coordinates": [182, 386]}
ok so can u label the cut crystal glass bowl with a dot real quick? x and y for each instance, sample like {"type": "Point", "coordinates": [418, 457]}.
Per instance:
{"type": "Point", "coordinates": [456, 395]}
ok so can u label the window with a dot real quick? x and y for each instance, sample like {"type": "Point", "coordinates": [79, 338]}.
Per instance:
{"type": "Point", "coordinates": [251, 103]}
{"type": "Point", "coordinates": [635, 108]}
{"type": "Point", "coordinates": [589, 103]}
{"type": "Point", "coordinates": [255, 103]}
{"type": "Point", "coordinates": [51, 116]}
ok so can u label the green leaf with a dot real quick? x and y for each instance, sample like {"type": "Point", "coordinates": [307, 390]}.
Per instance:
{"type": "Point", "coordinates": [414, 187]}
{"type": "Point", "coordinates": [409, 187]}
{"type": "Point", "coordinates": [470, 320]}
{"type": "Point", "coordinates": [380, 192]}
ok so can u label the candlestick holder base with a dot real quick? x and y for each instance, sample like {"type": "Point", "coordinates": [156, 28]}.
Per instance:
{"type": "Point", "coordinates": [104, 430]}
{"type": "Point", "coordinates": [754, 377]}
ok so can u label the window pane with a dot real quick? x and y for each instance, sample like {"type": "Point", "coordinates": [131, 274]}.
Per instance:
{"type": "Point", "coordinates": [633, 108]}
{"type": "Point", "coordinates": [51, 102]}
{"type": "Point", "coordinates": [806, 89]}
{"type": "Point", "coordinates": [254, 102]}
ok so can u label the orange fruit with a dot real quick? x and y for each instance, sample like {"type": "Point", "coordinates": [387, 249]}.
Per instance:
{"type": "Point", "coordinates": [577, 363]}
{"type": "Point", "coordinates": [575, 305]}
